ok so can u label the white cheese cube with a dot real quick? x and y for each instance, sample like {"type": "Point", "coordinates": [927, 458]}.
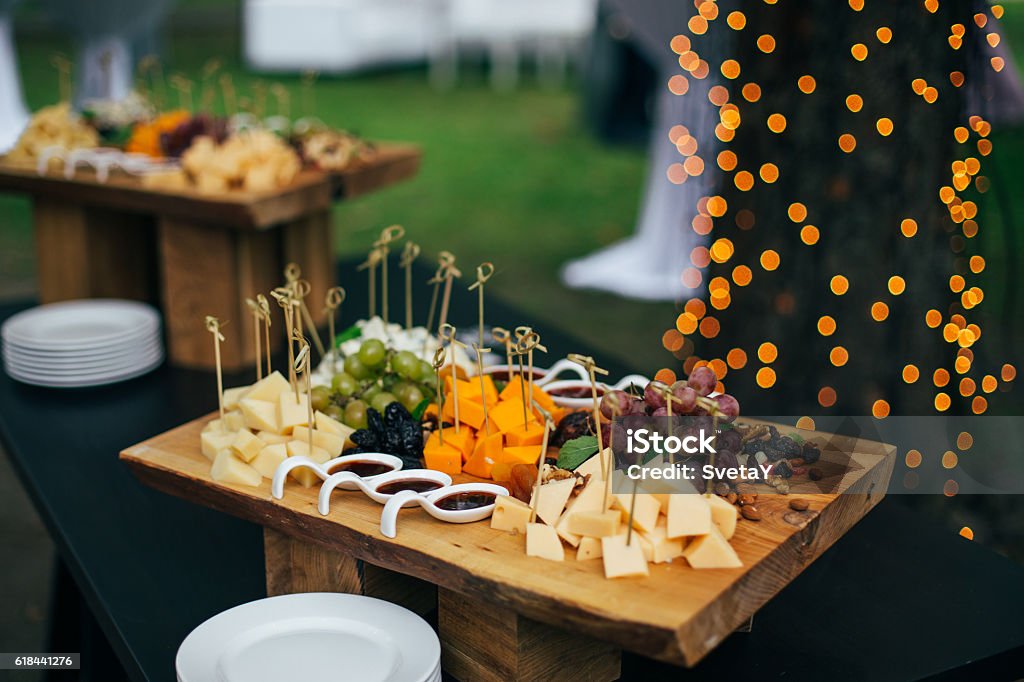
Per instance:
{"type": "Point", "coordinates": [306, 477]}
{"type": "Point", "coordinates": [595, 524]}
{"type": "Point", "coordinates": [331, 442]}
{"type": "Point", "coordinates": [260, 415]}
{"type": "Point", "coordinates": [590, 548]}
{"type": "Point", "coordinates": [723, 515]}
{"type": "Point", "coordinates": [688, 514]}
{"type": "Point", "coordinates": [233, 395]}
{"type": "Point", "coordinates": [551, 498]}
{"type": "Point", "coordinates": [331, 425]}
{"type": "Point", "coordinates": [246, 445]}
{"type": "Point", "coordinates": [271, 438]}
{"type": "Point", "coordinates": [268, 388]}
{"type": "Point", "coordinates": [622, 560]}
{"type": "Point", "coordinates": [234, 420]}
{"type": "Point", "coordinates": [711, 551]}
{"type": "Point", "coordinates": [214, 426]}
{"type": "Point", "coordinates": [510, 514]}
{"type": "Point", "coordinates": [591, 498]}
{"type": "Point", "coordinates": [542, 541]}
{"type": "Point", "coordinates": [645, 511]}
{"type": "Point", "coordinates": [291, 412]}
{"type": "Point", "coordinates": [662, 548]}
{"type": "Point", "coordinates": [269, 459]}
{"type": "Point", "coordinates": [229, 469]}
{"type": "Point", "coordinates": [212, 442]}
{"type": "Point", "coordinates": [593, 466]}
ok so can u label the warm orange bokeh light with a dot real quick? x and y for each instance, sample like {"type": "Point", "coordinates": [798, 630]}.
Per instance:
{"type": "Point", "coordinates": [908, 227]}
{"type": "Point", "coordinates": [766, 377]}
{"type": "Point", "coordinates": [880, 409]}
{"type": "Point", "coordinates": [911, 374]}
{"type": "Point", "coordinates": [859, 51]}
{"type": "Point", "coordinates": [839, 285]}
{"type": "Point", "coordinates": [770, 259]}
{"type": "Point", "coordinates": [854, 103]}
{"type": "Point", "coordinates": [897, 285]}
{"type": "Point", "coordinates": [766, 43]}
{"type": "Point", "coordinates": [742, 275]}
{"type": "Point", "coordinates": [826, 325]}
{"type": "Point", "coordinates": [827, 396]}
{"type": "Point", "coordinates": [884, 34]}
{"type": "Point", "coordinates": [839, 356]}
{"type": "Point", "coordinates": [847, 142]}
{"type": "Point", "coordinates": [884, 126]}
{"type": "Point", "coordinates": [807, 84]}
{"type": "Point", "coordinates": [767, 352]}
{"type": "Point", "coordinates": [736, 20]}
{"type": "Point", "coordinates": [776, 123]}
{"type": "Point", "coordinates": [769, 172]}
{"type": "Point", "coordinates": [809, 235]}
{"type": "Point", "coordinates": [879, 311]}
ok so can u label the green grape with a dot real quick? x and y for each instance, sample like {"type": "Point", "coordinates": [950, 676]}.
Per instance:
{"type": "Point", "coordinates": [382, 400]}
{"type": "Point", "coordinates": [430, 381]}
{"type": "Point", "coordinates": [334, 412]}
{"type": "Point", "coordinates": [405, 364]}
{"type": "Point", "coordinates": [355, 414]}
{"type": "Point", "coordinates": [321, 397]}
{"type": "Point", "coordinates": [356, 368]}
{"type": "Point", "coordinates": [413, 397]}
{"type": "Point", "coordinates": [370, 392]}
{"type": "Point", "coordinates": [400, 389]}
{"type": "Point", "coordinates": [426, 370]}
{"type": "Point", "coordinates": [344, 384]}
{"type": "Point", "coordinates": [373, 353]}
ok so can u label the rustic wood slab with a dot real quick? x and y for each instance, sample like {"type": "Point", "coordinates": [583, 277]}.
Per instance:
{"type": "Point", "coordinates": [677, 615]}
{"type": "Point", "coordinates": [310, 191]}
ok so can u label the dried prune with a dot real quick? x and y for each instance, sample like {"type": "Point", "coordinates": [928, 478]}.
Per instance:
{"type": "Point", "coordinates": [573, 425]}
{"type": "Point", "coordinates": [811, 453]}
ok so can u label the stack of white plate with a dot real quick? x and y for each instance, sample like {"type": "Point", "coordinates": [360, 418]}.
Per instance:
{"type": "Point", "coordinates": [316, 637]}
{"type": "Point", "coordinates": [89, 342]}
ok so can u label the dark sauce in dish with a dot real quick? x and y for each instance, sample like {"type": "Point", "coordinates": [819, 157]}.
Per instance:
{"type": "Point", "coordinates": [505, 376]}
{"type": "Point", "coordinates": [470, 499]}
{"type": "Point", "coordinates": [574, 392]}
{"type": "Point", "coordinates": [362, 468]}
{"type": "Point", "coordinates": [419, 485]}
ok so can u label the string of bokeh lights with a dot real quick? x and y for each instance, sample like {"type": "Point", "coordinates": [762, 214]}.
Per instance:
{"type": "Point", "coordinates": [954, 328]}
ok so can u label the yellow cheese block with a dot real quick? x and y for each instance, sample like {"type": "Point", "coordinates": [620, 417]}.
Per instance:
{"type": "Point", "coordinates": [622, 560]}
{"type": "Point", "coordinates": [271, 438]}
{"type": "Point", "coordinates": [229, 469]}
{"type": "Point", "coordinates": [662, 548]}
{"type": "Point", "coordinates": [233, 420]}
{"type": "Point", "coordinates": [711, 551]}
{"type": "Point", "coordinates": [590, 499]}
{"type": "Point", "coordinates": [486, 452]}
{"type": "Point", "coordinates": [331, 425]}
{"type": "Point", "coordinates": [445, 458]}
{"type": "Point", "coordinates": [269, 459]}
{"type": "Point", "coordinates": [590, 548]}
{"type": "Point", "coordinates": [723, 515]}
{"type": "Point", "coordinates": [645, 511]}
{"type": "Point", "coordinates": [212, 442]}
{"type": "Point", "coordinates": [304, 475]}
{"type": "Point", "coordinates": [551, 498]}
{"type": "Point", "coordinates": [520, 455]}
{"type": "Point", "coordinates": [531, 435]}
{"type": "Point", "coordinates": [542, 541]}
{"type": "Point", "coordinates": [510, 514]}
{"type": "Point", "coordinates": [260, 415]}
{"type": "Point", "coordinates": [592, 466]}
{"type": "Point", "coordinates": [688, 514]}
{"type": "Point", "coordinates": [595, 524]}
{"type": "Point", "coordinates": [331, 442]}
{"type": "Point", "coordinates": [292, 412]}
{"type": "Point", "coordinates": [470, 412]}
{"type": "Point", "coordinates": [268, 388]}
{"type": "Point", "coordinates": [233, 395]}
{"type": "Point", "coordinates": [246, 446]}
{"type": "Point", "coordinates": [508, 415]}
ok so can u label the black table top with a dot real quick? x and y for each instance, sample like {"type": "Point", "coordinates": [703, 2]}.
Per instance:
{"type": "Point", "coordinates": [897, 598]}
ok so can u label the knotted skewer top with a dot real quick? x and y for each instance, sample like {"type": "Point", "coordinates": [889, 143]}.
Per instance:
{"type": "Point", "coordinates": [213, 326]}
{"type": "Point", "coordinates": [335, 297]}
{"type": "Point", "coordinates": [484, 271]}
{"type": "Point", "coordinates": [587, 362]}
{"type": "Point", "coordinates": [410, 253]}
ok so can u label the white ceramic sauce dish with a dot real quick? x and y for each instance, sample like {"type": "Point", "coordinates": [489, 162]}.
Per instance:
{"type": "Point", "coordinates": [541, 375]}
{"type": "Point", "coordinates": [429, 502]}
{"type": "Point", "coordinates": [372, 485]}
{"type": "Point", "coordinates": [582, 386]}
{"type": "Point", "coordinates": [323, 471]}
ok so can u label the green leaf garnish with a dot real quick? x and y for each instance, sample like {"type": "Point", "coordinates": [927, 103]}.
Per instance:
{"type": "Point", "coordinates": [577, 451]}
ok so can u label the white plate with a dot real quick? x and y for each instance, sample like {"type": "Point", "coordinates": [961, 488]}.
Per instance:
{"type": "Point", "coordinates": [317, 637]}
{"type": "Point", "coordinates": [82, 382]}
{"type": "Point", "coordinates": [68, 360]}
{"type": "Point", "coordinates": [83, 373]}
{"type": "Point", "coordinates": [79, 324]}
{"type": "Point", "coordinates": [127, 341]}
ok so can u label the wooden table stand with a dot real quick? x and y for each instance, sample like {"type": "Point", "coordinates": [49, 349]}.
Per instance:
{"type": "Point", "coordinates": [192, 254]}
{"type": "Point", "coordinates": [479, 640]}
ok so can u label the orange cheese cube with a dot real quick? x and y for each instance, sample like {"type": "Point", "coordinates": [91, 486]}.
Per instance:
{"type": "Point", "coordinates": [462, 440]}
{"type": "Point", "coordinates": [514, 390]}
{"type": "Point", "coordinates": [486, 452]}
{"type": "Point", "coordinates": [508, 415]}
{"type": "Point", "coordinates": [523, 454]}
{"type": "Point", "coordinates": [470, 411]}
{"type": "Point", "coordinates": [431, 410]}
{"type": "Point", "coordinates": [531, 435]}
{"type": "Point", "coordinates": [444, 458]}
{"type": "Point", "coordinates": [502, 471]}
{"type": "Point", "coordinates": [472, 390]}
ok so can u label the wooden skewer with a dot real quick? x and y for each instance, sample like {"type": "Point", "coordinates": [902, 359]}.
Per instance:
{"type": "Point", "coordinates": [450, 273]}
{"type": "Point", "coordinates": [335, 297]}
{"type": "Point", "coordinates": [227, 89]}
{"type": "Point", "coordinates": [265, 312]}
{"type": "Point", "coordinates": [259, 99]}
{"type": "Point", "coordinates": [439, 357]}
{"type": "Point", "coordinates": [257, 314]}
{"type": "Point", "coordinates": [151, 64]}
{"type": "Point", "coordinates": [527, 332]}
{"type": "Point", "coordinates": [592, 369]}
{"type": "Point", "coordinates": [448, 334]}
{"type": "Point", "coordinates": [526, 345]}
{"type": "Point", "coordinates": [370, 265]}
{"type": "Point", "coordinates": [208, 92]}
{"type": "Point", "coordinates": [480, 373]}
{"type": "Point", "coordinates": [436, 281]}
{"type": "Point", "coordinates": [213, 326]}
{"type": "Point", "coordinates": [483, 273]}
{"type": "Point", "coordinates": [711, 407]}
{"type": "Point", "coordinates": [410, 253]}
{"type": "Point", "coordinates": [184, 88]}
{"type": "Point", "coordinates": [502, 336]}
{"type": "Point", "coordinates": [63, 66]}
{"type": "Point", "coordinates": [302, 365]}
{"type": "Point", "coordinates": [283, 296]}
{"type": "Point", "coordinates": [387, 235]}
{"type": "Point", "coordinates": [301, 287]}
{"type": "Point", "coordinates": [308, 94]}
{"type": "Point", "coordinates": [535, 498]}
{"type": "Point", "coordinates": [280, 94]}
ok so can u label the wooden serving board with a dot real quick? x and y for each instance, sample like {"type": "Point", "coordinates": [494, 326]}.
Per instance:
{"type": "Point", "coordinates": [677, 614]}
{"type": "Point", "coordinates": [311, 190]}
